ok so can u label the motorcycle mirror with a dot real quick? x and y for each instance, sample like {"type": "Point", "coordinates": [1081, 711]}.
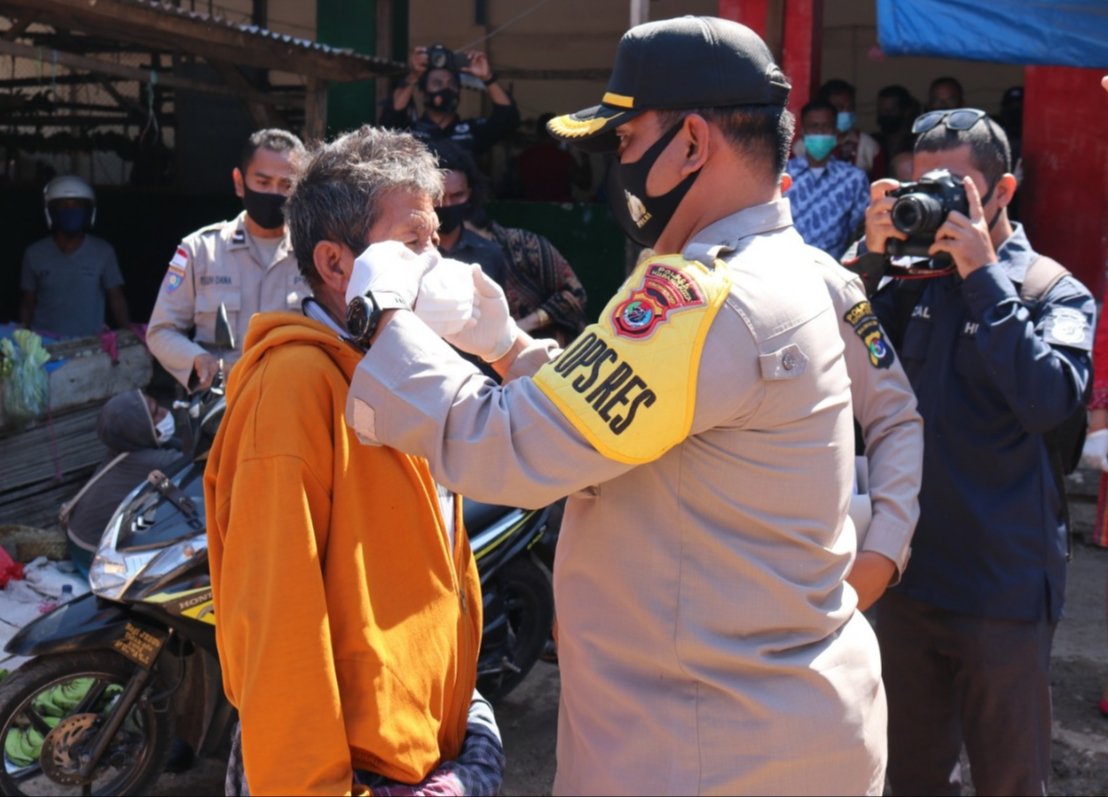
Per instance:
{"type": "Point", "coordinates": [224, 337]}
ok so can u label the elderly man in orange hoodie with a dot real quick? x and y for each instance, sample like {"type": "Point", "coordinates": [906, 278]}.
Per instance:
{"type": "Point", "coordinates": [348, 600]}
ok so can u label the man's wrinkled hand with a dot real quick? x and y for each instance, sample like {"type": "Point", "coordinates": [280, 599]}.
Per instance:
{"type": "Point", "coordinates": [491, 334]}
{"type": "Point", "coordinates": [870, 577]}
{"type": "Point", "coordinates": [390, 268]}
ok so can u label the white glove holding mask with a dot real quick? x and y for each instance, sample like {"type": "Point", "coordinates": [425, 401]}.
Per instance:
{"type": "Point", "coordinates": [446, 297]}
{"type": "Point", "coordinates": [439, 291]}
{"type": "Point", "coordinates": [1094, 454]}
{"type": "Point", "coordinates": [494, 331]}
{"type": "Point", "coordinates": [390, 268]}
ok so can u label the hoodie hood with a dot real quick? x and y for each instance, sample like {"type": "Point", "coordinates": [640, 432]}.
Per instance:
{"type": "Point", "coordinates": [125, 424]}
{"type": "Point", "coordinates": [269, 330]}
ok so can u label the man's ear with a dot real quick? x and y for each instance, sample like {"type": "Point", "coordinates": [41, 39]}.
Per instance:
{"type": "Point", "coordinates": [1006, 189]}
{"type": "Point", "coordinates": [327, 259]}
{"type": "Point", "coordinates": [699, 132]}
{"type": "Point", "coordinates": [239, 181]}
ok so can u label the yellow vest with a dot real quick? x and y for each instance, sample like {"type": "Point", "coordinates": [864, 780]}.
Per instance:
{"type": "Point", "coordinates": [628, 382]}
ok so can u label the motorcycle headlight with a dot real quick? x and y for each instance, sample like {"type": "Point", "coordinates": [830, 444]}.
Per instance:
{"type": "Point", "coordinates": [111, 572]}
{"type": "Point", "coordinates": [166, 565]}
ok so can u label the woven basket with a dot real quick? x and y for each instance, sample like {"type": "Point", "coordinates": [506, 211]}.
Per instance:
{"type": "Point", "coordinates": [25, 543]}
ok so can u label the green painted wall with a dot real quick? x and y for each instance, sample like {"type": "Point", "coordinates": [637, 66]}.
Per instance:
{"type": "Point", "coordinates": [349, 23]}
{"type": "Point", "coordinates": [586, 235]}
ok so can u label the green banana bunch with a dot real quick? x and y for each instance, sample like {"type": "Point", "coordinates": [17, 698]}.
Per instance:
{"type": "Point", "coordinates": [59, 700]}
{"type": "Point", "coordinates": [22, 746]}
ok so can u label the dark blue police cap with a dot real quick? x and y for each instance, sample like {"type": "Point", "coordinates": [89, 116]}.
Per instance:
{"type": "Point", "coordinates": [687, 62]}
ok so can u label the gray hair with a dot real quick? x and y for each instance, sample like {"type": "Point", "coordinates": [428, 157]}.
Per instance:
{"type": "Point", "coordinates": [337, 193]}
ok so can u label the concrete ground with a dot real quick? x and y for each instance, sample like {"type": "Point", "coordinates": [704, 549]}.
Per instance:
{"type": "Point", "coordinates": [528, 717]}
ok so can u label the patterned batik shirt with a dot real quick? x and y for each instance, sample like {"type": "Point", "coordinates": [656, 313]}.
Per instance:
{"type": "Point", "coordinates": [828, 204]}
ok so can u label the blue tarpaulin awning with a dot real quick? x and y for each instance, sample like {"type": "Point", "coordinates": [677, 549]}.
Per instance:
{"type": "Point", "coordinates": [1029, 32]}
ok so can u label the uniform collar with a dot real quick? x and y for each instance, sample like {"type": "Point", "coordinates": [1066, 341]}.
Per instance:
{"type": "Point", "coordinates": [725, 234]}
{"type": "Point", "coordinates": [240, 238]}
{"type": "Point", "coordinates": [1016, 254]}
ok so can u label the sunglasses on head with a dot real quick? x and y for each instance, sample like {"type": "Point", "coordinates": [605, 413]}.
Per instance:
{"type": "Point", "coordinates": [954, 119]}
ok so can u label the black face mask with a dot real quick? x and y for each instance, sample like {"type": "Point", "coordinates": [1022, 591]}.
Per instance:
{"type": "Point", "coordinates": [984, 201]}
{"type": "Point", "coordinates": [644, 217]}
{"type": "Point", "coordinates": [444, 100]}
{"type": "Point", "coordinates": [889, 124]}
{"type": "Point", "coordinates": [267, 210]}
{"type": "Point", "coordinates": [451, 217]}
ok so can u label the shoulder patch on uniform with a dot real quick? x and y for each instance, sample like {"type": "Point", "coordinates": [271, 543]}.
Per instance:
{"type": "Point", "coordinates": [628, 383]}
{"type": "Point", "coordinates": [180, 259]}
{"type": "Point", "coordinates": [1068, 326]}
{"type": "Point", "coordinates": [173, 280]}
{"type": "Point", "coordinates": [868, 329]}
{"type": "Point", "coordinates": [662, 291]}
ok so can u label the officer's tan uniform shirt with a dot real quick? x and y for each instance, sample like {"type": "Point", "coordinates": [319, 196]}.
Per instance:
{"type": "Point", "coordinates": [884, 403]}
{"type": "Point", "coordinates": [885, 407]}
{"type": "Point", "coordinates": [708, 642]}
{"type": "Point", "coordinates": [218, 263]}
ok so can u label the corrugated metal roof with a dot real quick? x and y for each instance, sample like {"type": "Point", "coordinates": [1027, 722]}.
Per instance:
{"type": "Point", "coordinates": [261, 33]}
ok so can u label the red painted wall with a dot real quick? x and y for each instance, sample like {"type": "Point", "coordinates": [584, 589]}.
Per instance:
{"type": "Point", "coordinates": [1065, 157]}
{"type": "Point", "coordinates": [752, 13]}
{"type": "Point", "coordinates": [800, 38]}
{"type": "Point", "coordinates": [802, 50]}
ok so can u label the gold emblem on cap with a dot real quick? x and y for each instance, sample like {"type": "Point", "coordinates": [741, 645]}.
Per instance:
{"type": "Point", "coordinates": [575, 128]}
{"type": "Point", "coordinates": [618, 100]}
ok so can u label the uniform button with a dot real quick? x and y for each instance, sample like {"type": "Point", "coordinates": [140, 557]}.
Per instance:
{"type": "Point", "coordinates": [788, 362]}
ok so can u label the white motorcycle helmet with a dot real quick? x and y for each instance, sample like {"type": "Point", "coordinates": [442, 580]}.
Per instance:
{"type": "Point", "coordinates": [67, 187]}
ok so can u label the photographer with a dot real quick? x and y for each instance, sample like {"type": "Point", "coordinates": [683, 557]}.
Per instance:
{"type": "Point", "coordinates": [966, 635]}
{"type": "Point", "coordinates": [437, 72]}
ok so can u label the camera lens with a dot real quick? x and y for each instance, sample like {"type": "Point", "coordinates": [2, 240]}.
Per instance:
{"type": "Point", "coordinates": [917, 214]}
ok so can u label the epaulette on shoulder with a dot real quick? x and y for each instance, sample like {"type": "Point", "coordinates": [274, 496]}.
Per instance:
{"type": "Point", "coordinates": [211, 228]}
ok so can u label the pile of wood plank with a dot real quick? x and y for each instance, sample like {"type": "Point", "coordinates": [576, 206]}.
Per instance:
{"type": "Point", "coordinates": [45, 462]}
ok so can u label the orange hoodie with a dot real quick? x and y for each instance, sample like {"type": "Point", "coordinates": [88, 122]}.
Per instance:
{"type": "Point", "coordinates": [348, 632]}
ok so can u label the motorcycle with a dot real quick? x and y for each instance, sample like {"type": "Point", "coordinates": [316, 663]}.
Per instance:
{"type": "Point", "coordinates": [118, 673]}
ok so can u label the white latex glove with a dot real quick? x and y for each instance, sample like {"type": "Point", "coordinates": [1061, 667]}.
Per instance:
{"type": "Point", "coordinates": [493, 332]}
{"type": "Point", "coordinates": [389, 267]}
{"type": "Point", "coordinates": [1094, 454]}
{"type": "Point", "coordinates": [446, 296]}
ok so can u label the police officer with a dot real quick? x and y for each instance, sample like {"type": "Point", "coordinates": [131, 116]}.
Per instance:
{"type": "Point", "coordinates": [245, 264]}
{"type": "Point", "coordinates": [708, 640]}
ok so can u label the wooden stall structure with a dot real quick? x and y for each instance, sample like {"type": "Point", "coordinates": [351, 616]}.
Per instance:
{"type": "Point", "coordinates": [82, 36]}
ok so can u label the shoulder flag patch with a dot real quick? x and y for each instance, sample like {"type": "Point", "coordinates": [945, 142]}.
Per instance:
{"type": "Point", "coordinates": [180, 259]}
{"type": "Point", "coordinates": [177, 267]}
{"type": "Point", "coordinates": [868, 328]}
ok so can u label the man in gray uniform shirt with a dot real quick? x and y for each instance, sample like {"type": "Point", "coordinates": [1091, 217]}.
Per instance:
{"type": "Point", "coordinates": [709, 642]}
{"type": "Point", "coordinates": [245, 264]}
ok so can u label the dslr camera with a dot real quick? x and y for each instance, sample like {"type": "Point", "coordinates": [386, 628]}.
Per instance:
{"type": "Point", "coordinates": [440, 57]}
{"type": "Point", "coordinates": [921, 208]}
